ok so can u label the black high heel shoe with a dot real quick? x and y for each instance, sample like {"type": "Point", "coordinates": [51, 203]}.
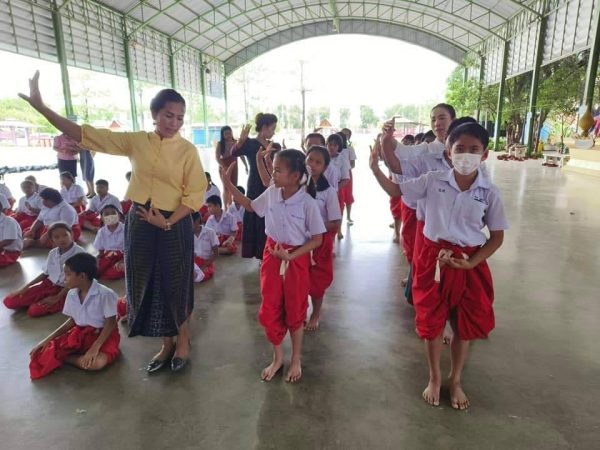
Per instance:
{"type": "Point", "coordinates": [156, 364]}
{"type": "Point", "coordinates": [177, 363]}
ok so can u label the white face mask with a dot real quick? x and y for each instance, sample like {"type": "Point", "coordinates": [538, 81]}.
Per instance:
{"type": "Point", "coordinates": [466, 163]}
{"type": "Point", "coordinates": [110, 219]}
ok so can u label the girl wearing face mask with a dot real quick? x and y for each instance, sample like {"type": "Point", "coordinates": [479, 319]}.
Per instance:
{"type": "Point", "coordinates": [110, 243]}
{"type": "Point", "coordinates": [167, 185]}
{"type": "Point", "coordinates": [451, 278]}
{"type": "Point", "coordinates": [253, 233]}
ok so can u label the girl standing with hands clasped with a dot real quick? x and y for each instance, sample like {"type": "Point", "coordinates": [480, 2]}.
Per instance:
{"type": "Point", "coordinates": [294, 228]}
{"type": "Point", "coordinates": [451, 278]}
{"type": "Point", "coordinates": [321, 272]}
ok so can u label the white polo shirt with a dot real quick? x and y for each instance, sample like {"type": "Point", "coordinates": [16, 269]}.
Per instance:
{"type": "Point", "coordinates": [205, 242]}
{"type": "Point", "coordinates": [236, 212]}
{"type": "Point", "coordinates": [213, 190]}
{"type": "Point", "coordinates": [226, 226]}
{"type": "Point", "coordinates": [107, 240]}
{"type": "Point", "coordinates": [4, 190]}
{"type": "Point", "coordinates": [53, 267]}
{"type": "Point", "coordinates": [34, 200]}
{"type": "Point", "coordinates": [403, 152]}
{"type": "Point", "coordinates": [329, 205]}
{"type": "Point", "coordinates": [11, 230]}
{"type": "Point", "coordinates": [332, 174]}
{"type": "Point", "coordinates": [292, 221]}
{"type": "Point", "coordinates": [343, 165]}
{"type": "Point", "coordinates": [453, 215]}
{"type": "Point", "coordinates": [63, 212]}
{"type": "Point", "coordinates": [97, 203]}
{"type": "Point", "coordinates": [73, 194]}
{"type": "Point", "coordinates": [99, 304]}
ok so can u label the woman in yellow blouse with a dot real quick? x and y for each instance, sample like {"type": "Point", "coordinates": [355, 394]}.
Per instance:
{"type": "Point", "coordinates": [168, 183]}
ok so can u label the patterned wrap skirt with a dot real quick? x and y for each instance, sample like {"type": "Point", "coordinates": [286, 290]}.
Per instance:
{"type": "Point", "coordinates": [159, 274]}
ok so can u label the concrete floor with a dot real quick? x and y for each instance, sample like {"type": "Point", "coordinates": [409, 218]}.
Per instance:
{"type": "Point", "coordinates": [534, 384]}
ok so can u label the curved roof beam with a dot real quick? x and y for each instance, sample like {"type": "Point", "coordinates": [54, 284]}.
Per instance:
{"type": "Point", "coordinates": [404, 33]}
{"type": "Point", "coordinates": [291, 8]}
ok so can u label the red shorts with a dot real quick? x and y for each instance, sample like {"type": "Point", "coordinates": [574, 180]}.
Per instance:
{"type": "Point", "coordinates": [284, 297]}
{"type": "Point", "coordinates": [7, 258]}
{"type": "Point", "coordinates": [126, 206]}
{"type": "Point", "coordinates": [409, 229]}
{"type": "Point", "coordinates": [321, 272]}
{"type": "Point", "coordinates": [77, 340]}
{"type": "Point", "coordinates": [222, 238]}
{"type": "Point", "coordinates": [122, 308]}
{"type": "Point", "coordinates": [75, 232]}
{"type": "Point", "coordinates": [111, 265]}
{"type": "Point", "coordinates": [24, 220]}
{"type": "Point", "coordinates": [208, 271]}
{"type": "Point", "coordinates": [91, 217]}
{"type": "Point", "coordinates": [396, 207]}
{"type": "Point", "coordinates": [465, 296]}
{"type": "Point", "coordinates": [32, 297]}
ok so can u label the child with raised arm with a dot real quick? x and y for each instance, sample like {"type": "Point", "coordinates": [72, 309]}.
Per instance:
{"type": "Point", "coordinates": [451, 277]}
{"type": "Point", "coordinates": [46, 293]}
{"type": "Point", "coordinates": [11, 236]}
{"type": "Point", "coordinates": [321, 271]}
{"type": "Point", "coordinates": [89, 339]}
{"type": "Point", "coordinates": [294, 228]}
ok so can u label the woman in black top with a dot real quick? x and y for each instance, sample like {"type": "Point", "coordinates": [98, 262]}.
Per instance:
{"type": "Point", "coordinates": [253, 236]}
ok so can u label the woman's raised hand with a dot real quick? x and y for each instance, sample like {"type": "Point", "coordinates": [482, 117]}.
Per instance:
{"type": "Point", "coordinates": [244, 134]}
{"type": "Point", "coordinates": [35, 97]}
{"type": "Point", "coordinates": [388, 129]}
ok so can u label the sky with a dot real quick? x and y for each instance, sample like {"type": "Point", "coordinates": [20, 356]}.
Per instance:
{"type": "Point", "coordinates": [340, 71]}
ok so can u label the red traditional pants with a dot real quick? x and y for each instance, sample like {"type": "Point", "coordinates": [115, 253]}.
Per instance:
{"type": "Point", "coordinates": [7, 258]}
{"type": "Point", "coordinates": [238, 234]}
{"type": "Point", "coordinates": [466, 296]}
{"type": "Point", "coordinates": [223, 238]}
{"type": "Point", "coordinates": [126, 206]}
{"type": "Point", "coordinates": [321, 273]}
{"type": "Point", "coordinates": [75, 232]}
{"type": "Point", "coordinates": [122, 308]}
{"type": "Point", "coordinates": [284, 296]}
{"type": "Point", "coordinates": [409, 229]}
{"type": "Point", "coordinates": [208, 271]}
{"type": "Point", "coordinates": [32, 297]}
{"type": "Point", "coordinates": [111, 265]}
{"type": "Point", "coordinates": [91, 217]}
{"type": "Point", "coordinates": [25, 220]}
{"type": "Point", "coordinates": [77, 340]}
{"type": "Point", "coordinates": [396, 207]}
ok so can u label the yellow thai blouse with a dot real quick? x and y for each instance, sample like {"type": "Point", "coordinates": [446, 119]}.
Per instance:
{"type": "Point", "coordinates": [167, 172]}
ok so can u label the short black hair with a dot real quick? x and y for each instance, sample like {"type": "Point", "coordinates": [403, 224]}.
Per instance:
{"type": "Point", "coordinates": [58, 226]}
{"type": "Point", "coordinates": [241, 189]}
{"type": "Point", "coordinates": [196, 215]}
{"type": "Point", "coordinates": [214, 200]}
{"type": "Point", "coordinates": [318, 136]}
{"type": "Point", "coordinates": [102, 182]}
{"type": "Point", "coordinates": [163, 97]}
{"type": "Point", "coordinates": [336, 139]}
{"type": "Point", "coordinates": [68, 176]}
{"type": "Point", "coordinates": [128, 175]}
{"type": "Point", "coordinates": [429, 135]}
{"type": "Point", "coordinates": [51, 194]}
{"type": "Point", "coordinates": [457, 122]}
{"type": "Point", "coordinates": [470, 129]}
{"type": "Point", "coordinates": [83, 263]}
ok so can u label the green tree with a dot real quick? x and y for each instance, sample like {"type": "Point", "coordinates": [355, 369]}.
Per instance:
{"type": "Point", "coordinates": [324, 112]}
{"type": "Point", "coordinates": [461, 94]}
{"type": "Point", "coordinates": [17, 109]}
{"type": "Point", "coordinates": [344, 117]}
{"type": "Point", "coordinates": [368, 118]}
{"type": "Point", "coordinates": [295, 117]}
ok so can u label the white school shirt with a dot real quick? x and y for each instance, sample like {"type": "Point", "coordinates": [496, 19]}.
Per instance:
{"type": "Point", "coordinates": [110, 240]}
{"type": "Point", "coordinates": [351, 153]}
{"type": "Point", "coordinates": [205, 242]}
{"type": "Point", "coordinates": [53, 267]}
{"type": "Point", "coordinates": [4, 190]}
{"type": "Point", "coordinates": [329, 205]}
{"type": "Point", "coordinates": [236, 212]}
{"type": "Point", "coordinates": [213, 190]}
{"type": "Point", "coordinates": [10, 230]}
{"type": "Point", "coordinates": [343, 164]}
{"type": "Point", "coordinates": [34, 200]}
{"type": "Point", "coordinates": [226, 226]}
{"type": "Point", "coordinates": [99, 304]}
{"type": "Point", "coordinates": [404, 152]}
{"type": "Point", "coordinates": [455, 216]}
{"type": "Point", "coordinates": [4, 202]}
{"type": "Point", "coordinates": [63, 212]}
{"type": "Point", "coordinates": [332, 174]}
{"type": "Point", "coordinates": [292, 221]}
{"type": "Point", "coordinates": [97, 203]}
{"type": "Point", "coordinates": [40, 188]}
{"type": "Point", "coordinates": [73, 194]}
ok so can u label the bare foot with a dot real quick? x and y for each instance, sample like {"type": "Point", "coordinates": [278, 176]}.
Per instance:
{"type": "Point", "coordinates": [295, 372]}
{"type": "Point", "coordinates": [448, 334]}
{"type": "Point", "coordinates": [271, 370]}
{"type": "Point", "coordinates": [458, 398]}
{"type": "Point", "coordinates": [431, 394]}
{"type": "Point", "coordinates": [404, 282]}
{"type": "Point", "coordinates": [313, 323]}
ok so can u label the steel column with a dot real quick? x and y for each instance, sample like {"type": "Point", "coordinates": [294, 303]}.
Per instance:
{"type": "Point", "coordinates": [204, 105]}
{"type": "Point", "coordinates": [62, 59]}
{"type": "Point", "coordinates": [480, 86]}
{"type": "Point", "coordinates": [592, 67]}
{"type": "Point", "coordinates": [131, 84]}
{"type": "Point", "coordinates": [501, 96]}
{"type": "Point", "coordinates": [172, 65]}
{"type": "Point", "coordinates": [535, 82]}
{"type": "Point", "coordinates": [225, 96]}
